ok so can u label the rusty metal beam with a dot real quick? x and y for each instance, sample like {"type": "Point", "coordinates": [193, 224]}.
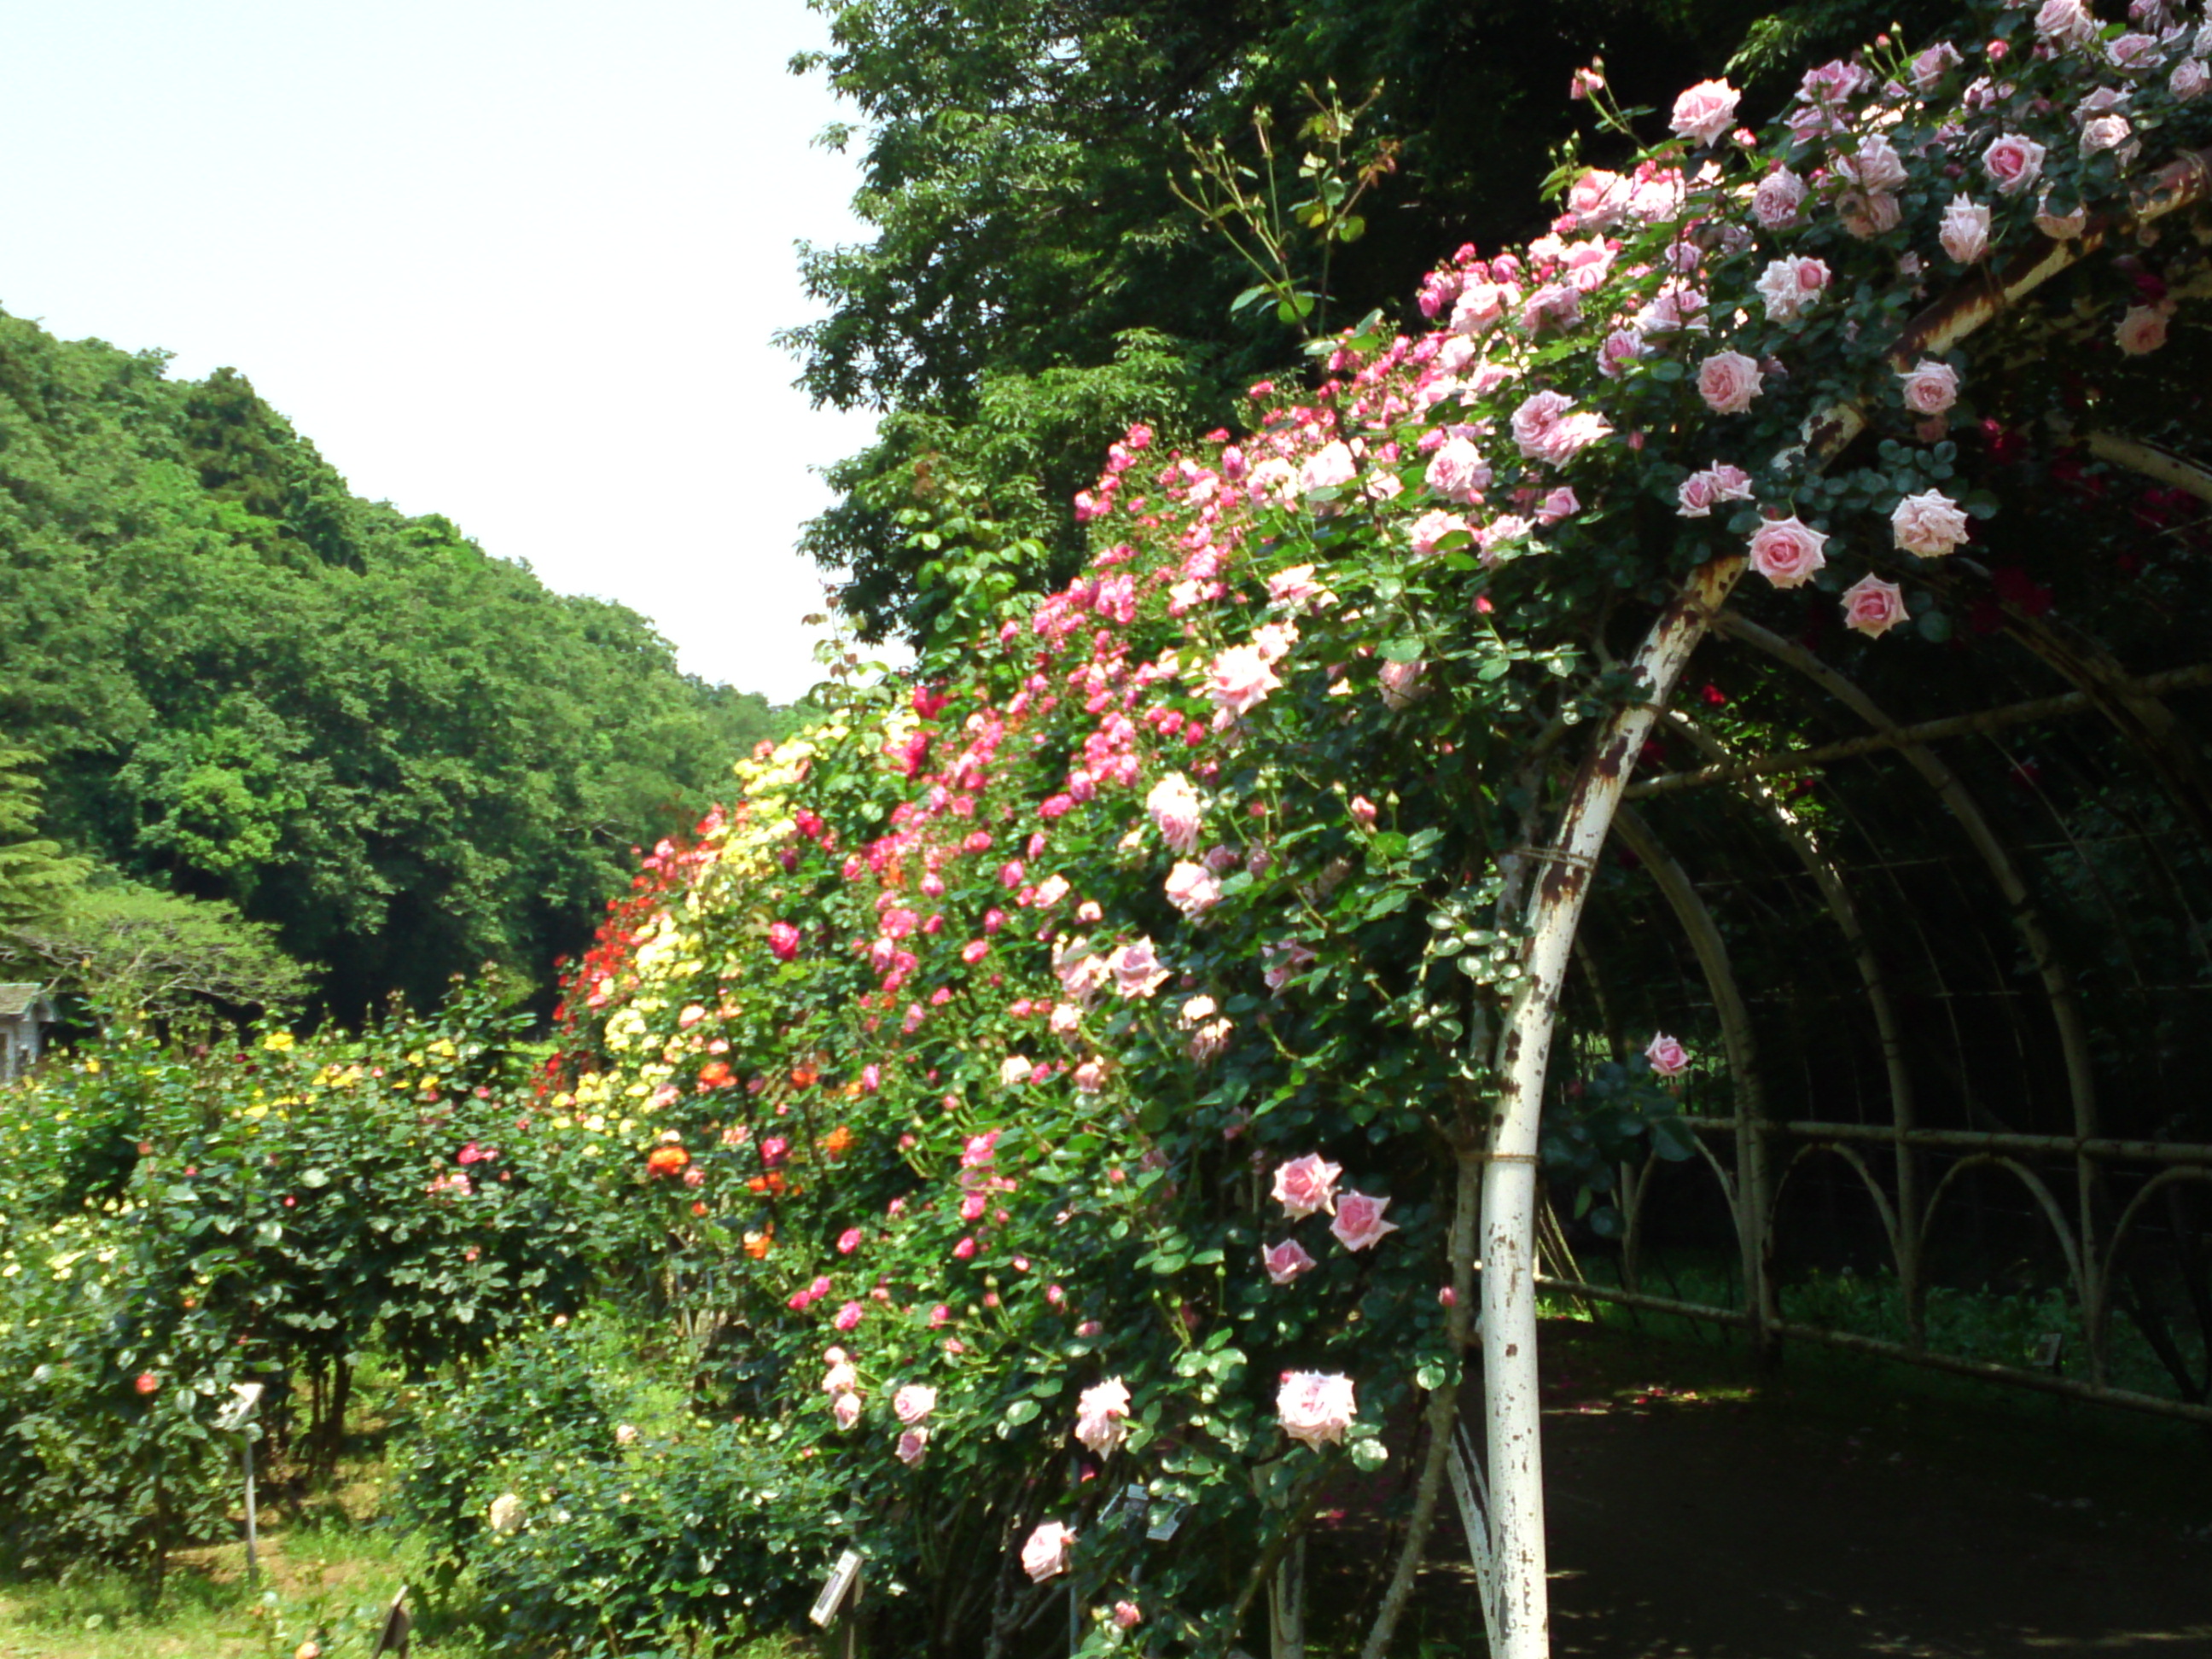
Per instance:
{"type": "Point", "coordinates": [1979, 1140]}
{"type": "Point", "coordinates": [1954, 725]}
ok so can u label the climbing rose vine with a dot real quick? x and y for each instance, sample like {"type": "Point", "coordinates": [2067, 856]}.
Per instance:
{"type": "Point", "coordinates": [1067, 1050]}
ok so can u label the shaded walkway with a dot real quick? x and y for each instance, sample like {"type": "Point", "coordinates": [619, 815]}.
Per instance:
{"type": "Point", "coordinates": [1847, 1512]}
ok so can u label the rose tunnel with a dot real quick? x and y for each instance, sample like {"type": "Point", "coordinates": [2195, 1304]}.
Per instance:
{"type": "Point", "coordinates": [1120, 1072]}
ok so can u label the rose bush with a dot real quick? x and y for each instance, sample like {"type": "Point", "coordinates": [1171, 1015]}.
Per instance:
{"type": "Point", "coordinates": [172, 1223]}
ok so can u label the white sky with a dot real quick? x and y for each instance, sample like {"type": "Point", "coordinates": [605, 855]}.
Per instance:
{"type": "Point", "coordinates": [513, 261]}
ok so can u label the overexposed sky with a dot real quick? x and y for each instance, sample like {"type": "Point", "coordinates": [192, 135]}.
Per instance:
{"type": "Point", "coordinates": [513, 261]}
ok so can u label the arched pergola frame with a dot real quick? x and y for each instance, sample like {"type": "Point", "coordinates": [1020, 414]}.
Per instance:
{"type": "Point", "coordinates": [1555, 883]}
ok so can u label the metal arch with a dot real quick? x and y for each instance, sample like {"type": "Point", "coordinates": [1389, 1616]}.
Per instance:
{"type": "Point", "coordinates": [1721, 1169]}
{"type": "Point", "coordinates": [1849, 1154]}
{"type": "Point", "coordinates": [2102, 1306]}
{"type": "Point", "coordinates": [2083, 1287]}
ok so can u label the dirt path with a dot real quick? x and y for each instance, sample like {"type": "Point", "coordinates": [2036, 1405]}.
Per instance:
{"type": "Point", "coordinates": [1847, 1511]}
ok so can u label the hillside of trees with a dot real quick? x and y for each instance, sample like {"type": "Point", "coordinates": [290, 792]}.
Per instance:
{"type": "Point", "coordinates": [225, 678]}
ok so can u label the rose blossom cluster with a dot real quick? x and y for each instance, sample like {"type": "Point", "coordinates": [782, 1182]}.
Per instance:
{"type": "Point", "coordinates": [1692, 276]}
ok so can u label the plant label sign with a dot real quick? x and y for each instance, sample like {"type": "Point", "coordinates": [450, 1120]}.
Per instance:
{"type": "Point", "coordinates": [245, 1399]}
{"type": "Point", "coordinates": [836, 1588]}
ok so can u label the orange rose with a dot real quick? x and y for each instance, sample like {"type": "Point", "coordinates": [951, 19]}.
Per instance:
{"type": "Point", "coordinates": [667, 1160]}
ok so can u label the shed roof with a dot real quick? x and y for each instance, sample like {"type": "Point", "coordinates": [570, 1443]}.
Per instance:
{"type": "Point", "coordinates": [16, 1001]}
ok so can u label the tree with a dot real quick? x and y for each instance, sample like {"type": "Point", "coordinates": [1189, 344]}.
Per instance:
{"type": "Point", "coordinates": [1033, 285]}
{"type": "Point", "coordinates": [35, 878]}
{"type": "Point", "coordinates": [130, 951]}
{"type": "Point", "coordinates": [253, 686]}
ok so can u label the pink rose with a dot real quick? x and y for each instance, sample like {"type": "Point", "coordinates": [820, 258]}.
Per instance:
{"type": "Point", "coordinates": [1930, 525]}
{"type": "Point", "coordinates": [1432, 528]}
{"type": "Point", "coordinates": [1877, 166]}
{"type": "Point", "coordinates": [1779, 201]}
{"type": "Point", "coordinates": [1965, 233]}
{"type": "Point", "coordinates": [978, 1151]}
{"type": "Point", "coordinates": [1401, 684]}
{"type": "Point", "coordinates": [782, 940]}
{"type": "Point", "coordinates": [1307, 1185]}
{"type": "Point", "coordinates": [1620, 348]}
{"type": "Point", "coordinates": [1175, 812]}
{"type": "Point", "coordinates": [1285, 1262]}
{"type": "Point", "coordinates": [2066, 23]}
{"type": "Point", "coordinates": [1869, 213]}
{"type": "Point", "coordinates": [1480, 306]}
{"type": "Point", "coordinates": [1831, 82]}
{"type": "Point", "coordinates": [1933, 64]}
{"type": "Point", "coordinates": [1873, 606]}
{"type": "Point", "coordinates": [912, 1445]}
{"type": "Point", "coordinates": [964, 1250]}
{"type": "Point", "coordinates": [1668, 1057]}
{"type": "Point", "coordinates": [1728, 381]}
{"type": "Point", "coordinates": [1297, 586]}
{"type": "Point", "coordinates": [1328, 468]}
{"type": "Point", "coordinates": [1090, 1077]}
{"type": "Point", "coordinates": [846, 1408]}
{"type": "Point", "coordinates": [1102, 1417]}
{"type": "Point", "coordinates": [1314, 1408]}
{"type": "Point", "coordinates": [1193, 889]}
{"type": "Point", "coordinates": [1561, 503]}
{"type": "Point", "coordinates": [1702, 491]}
{"type": "Point", "coordinates": [2011, 162]}
{"type": "Point", "coordinates": [1284, 958]}
{"type": "Point", "coordinates": [1705, 112]}
{"type": "Point", "coordinates": [1455, 472]}
{"type": "Point", "coordinates": [1127, 1615]}
{"type": "Point", "coordinates": [1598, 198]}
{"type": "Point", "coordinates": [849, 1316]}
{"type": "Point", "coordinates": [2142, 329]}
{"type": "Point", "coordinates": [1787, 552]}
{"type": "Point", "coordinates": [1548, 428]}
{"type": "Point", "coordinates": [914, 1402]}
{"type": "Point", "coordinates": [1136, 969]}
{"type": "Point", "coordinates": [1045, 1555]}
{"type": "Point", "coordinates": [2190, 79]}
{"type": "Point", "coordinates": [1359, 1224]}
{"type": "Point", "coordinates": [2105, 132]}
{"type": "Point", "coordinates": [1237, 681]}
{"type": "Point", "coordinates": [848, 1241]}
{"type": "Point", "coordinates": [1930, 388]}
{"type": "Point", "coordinates": [1210, 1041]}
{"type": "Point", "coordinates": [2133, 54]}
{"type": "Point", "coordinates": [1789, 286]}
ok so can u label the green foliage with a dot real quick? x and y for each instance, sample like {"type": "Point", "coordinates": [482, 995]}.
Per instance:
{"type": "Point", "coordinates": [1622, 1113]}
{"type": "Point", "coordinates": [136, 953]}
{"type": "Point", "coordinates": [625, 1536]}
{"type": "Point", "coordinates": [252, 686]}
{"type": "Point", "coordinates": [35, 878]}
{"type": "Point", "coordinates": [270, 1212]}
{"type": "Point", "coordinates": [998, 476]}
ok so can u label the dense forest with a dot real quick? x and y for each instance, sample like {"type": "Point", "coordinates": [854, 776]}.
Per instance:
{"type": "Point", "coordinates": [249, 716]}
